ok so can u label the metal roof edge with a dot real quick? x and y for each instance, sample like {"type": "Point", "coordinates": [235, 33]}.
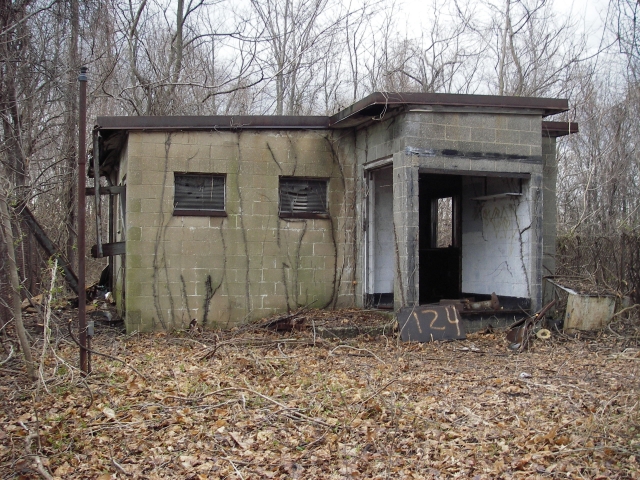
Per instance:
{"type": "Point", "coordinates": [549, 106]}
{"type": "Point", "coordinates": [221, 122]}
{"type": "Point", "coordinates": [558, 129]}
{"type": "Point", "coordinates": [377, 102]}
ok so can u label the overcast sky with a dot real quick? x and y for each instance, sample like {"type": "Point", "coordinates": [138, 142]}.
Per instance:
{"type": "Point", "coordinates": [589, 15]}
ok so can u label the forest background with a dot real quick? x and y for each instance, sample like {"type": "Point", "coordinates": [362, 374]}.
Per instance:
{"type": "Point", "coordinates": [303, 57]}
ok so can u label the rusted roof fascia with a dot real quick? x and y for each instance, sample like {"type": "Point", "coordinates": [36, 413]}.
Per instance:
{"type": "Point", "coordinates": [549, 106]}
{"type": "Point", "coordinates": [240, 122]}
{"type": "Point", "coordinates": [558, 129]}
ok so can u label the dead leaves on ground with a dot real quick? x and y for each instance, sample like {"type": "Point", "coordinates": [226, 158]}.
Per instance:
{"type": "Point", "coordinates": [379, 409]}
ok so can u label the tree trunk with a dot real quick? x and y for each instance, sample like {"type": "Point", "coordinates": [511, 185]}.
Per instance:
{"type": "Point", "coordinates": [71, 128]}
{"type": "Point", "coordinates": [503, 49]}
{"type": "Point", "coordinates": [14, 281]}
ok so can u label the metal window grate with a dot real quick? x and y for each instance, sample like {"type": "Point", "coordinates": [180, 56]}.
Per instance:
{"type": "Point", "coordinates": [301, 196]}
{"type": "Point", "coordinates": [198, 193]}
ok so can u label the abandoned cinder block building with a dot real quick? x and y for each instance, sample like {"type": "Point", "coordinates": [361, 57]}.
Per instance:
{"type": "Point", "coordinates": [398, 200]}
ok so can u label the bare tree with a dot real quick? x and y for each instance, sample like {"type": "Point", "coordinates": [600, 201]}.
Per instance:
{"type": "Point", "coordinates": [626, 25]}
{"type": "Point", "coordinates": [16, 145]}
{"type": "Point", "coordinates": [534, 53]}
{"type": "Point", "coordinates": [15, 301]}
{"type": "Point", "coordinates": [170, 56]}
{"type": "Point", "coordinates": [295, 32]}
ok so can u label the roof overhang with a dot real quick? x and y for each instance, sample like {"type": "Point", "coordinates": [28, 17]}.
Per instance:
{"type": "Point", "coordinates": [558, 129]}
{"type": "Point", "coordinates": [379, 104]}
{"type": "Point", "coordinates": [222, 122]}
{"type": "Point", "coordinates": [371, 108]}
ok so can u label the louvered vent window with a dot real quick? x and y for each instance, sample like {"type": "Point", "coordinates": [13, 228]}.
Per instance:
{"type": "Point", "coordinates": [303, 198]}
{"type": "Point", "coordinates": [199, 194]}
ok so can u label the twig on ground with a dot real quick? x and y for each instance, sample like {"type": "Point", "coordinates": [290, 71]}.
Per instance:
{"type": "Point", "coordinates": [90, 393]}
{"type": "Point", "coordinates": [235, 468]}
{"type": "Point", "coordinates": [359, 350]}
{"type": "Point", "coordinates": [299, 415]}
{"type": "Point", "coordinates": [9, 356]}
{"type": "Point", "coordinates": [374, 394]}
{"type": "Point", "coordinates": [36, 458]}
{"type": "Point", "coordinates": [117, 466]}
{"type": "Point", "coordinates": [105, 355]}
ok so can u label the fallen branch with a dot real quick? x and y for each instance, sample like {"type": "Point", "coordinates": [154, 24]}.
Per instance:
{"type": "Point", "coordinates": [9, 357]}
{"type": "Point", "coordinates": [40, 468]}
{"type": "Point", "coordinates": [632, 307]}
{"type": "Point", "coordinates": [300, 416]}
{"type": "Point", "coordinates": [117, 466]}
{"type": "Point", "coordinates": [235, 468]}
{"type": "Point", "coordinates": [260, 342]}
{"type": "Point", "coordinates": [374, 394]}
{"type": "Point", "coordinates": [358, 349]}
{"type": "Point", "coordinates": [104, 354]}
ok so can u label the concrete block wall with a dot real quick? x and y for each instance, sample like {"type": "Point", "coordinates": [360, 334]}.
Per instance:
{"type": "Point", "coordinates": [474, 140]}
{"type": "Point", "coordinates": [463, 142]}
{"type": "Point", "coordinates": [488, 141]}
{"type": "Point", "coordinates": [227, 270]}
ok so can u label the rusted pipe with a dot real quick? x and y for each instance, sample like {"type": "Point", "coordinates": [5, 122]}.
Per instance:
{"type": "Point", "coordinates": [82, 167]}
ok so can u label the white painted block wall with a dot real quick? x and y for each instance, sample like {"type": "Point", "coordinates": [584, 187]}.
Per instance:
{"type": "Point", "coordinates": [382, 258]}
{"type": "Point", "coordinates": [496, 242]}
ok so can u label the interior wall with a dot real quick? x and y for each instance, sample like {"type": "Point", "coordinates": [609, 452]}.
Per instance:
{"type": "Point", "coordinates": [381, 253]}
{"type": "Point", "coordinates": [496, 237]}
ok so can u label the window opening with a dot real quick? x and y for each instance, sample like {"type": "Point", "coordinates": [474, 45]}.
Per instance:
{"type": "Point", "coordinates": [444, 223]}
{"type": "Point", "coordinates": [199, 194]}
{"type": "Point", "coordinates": [303, 197]}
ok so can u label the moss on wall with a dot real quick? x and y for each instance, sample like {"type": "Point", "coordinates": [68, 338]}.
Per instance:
{"type": "Point", "coordinates": [251, 263]}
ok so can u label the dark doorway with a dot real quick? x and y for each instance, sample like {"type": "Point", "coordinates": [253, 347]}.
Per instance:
{"type": "Point", "coordinates": [440, 238]}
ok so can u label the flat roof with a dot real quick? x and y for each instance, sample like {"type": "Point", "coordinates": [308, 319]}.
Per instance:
{"type": "Point", "coordinates": [559, 129]}
{"type": "Point", "coordinates": [371, 108]}
{"type": "Point", "coordinates": [218, 122]}
{"type": "Point", "coordinates": [378, 103]}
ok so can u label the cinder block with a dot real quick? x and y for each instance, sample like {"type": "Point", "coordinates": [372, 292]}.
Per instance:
{"type": "Point", "coordinates": [483, 165]}
{"type": "Point", "coordinates": [468, 149]}
{"type": "Point", "coordinates": [431, 131]}
{"type": "Point", "coordinates": [278, 302]}
{"type": "Point", "coordinates": [134, 234]}
{"type": "Point", "coordinates": [324, 249]}
{"type": "Point", "coordinates": [483, 135]}
{"type": "Point", "coordinates": [134, 178]}
{"type": "Point", "coordinates": [140, 247]}
{"type": "Point", "coordinates": [458, 133]}
{"type": "Point", "coordinates": [498, 148]}
{"type": "Point", "coordinates": [134, 261]}
{"type": "Point", "coordinates": [133, 320]}
{"type": "Point", "coordinates": [507, 137]}
{"type": "Point", "coordinates": [530, 138]}
{"type": "Point", "coordinates": [478, 120]}
{"type": "Point", "coordinates": [523, 150]}
{"type": "Point", "coordinates": [459, 164]}
{"type": "Point", "coordinates": [157, 138]}
{"type": "Point", "coordinates": [521, 122]}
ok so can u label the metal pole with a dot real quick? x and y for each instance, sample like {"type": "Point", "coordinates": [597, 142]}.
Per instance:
{"type": "Point", "coordinates": [82, 165]}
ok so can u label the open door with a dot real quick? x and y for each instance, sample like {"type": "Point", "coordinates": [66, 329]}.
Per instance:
{"type": "Point", "coordinates": [440, 237]}
{"type": "Point", "coordinates": [380, 239]}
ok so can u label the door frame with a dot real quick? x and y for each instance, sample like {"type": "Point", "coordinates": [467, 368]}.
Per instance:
{"type": "Point", "coordinates": [367, 225]}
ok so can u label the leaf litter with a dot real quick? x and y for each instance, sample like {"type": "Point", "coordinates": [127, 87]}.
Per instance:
{"type": "Point", "coordinates": [253, 404]}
